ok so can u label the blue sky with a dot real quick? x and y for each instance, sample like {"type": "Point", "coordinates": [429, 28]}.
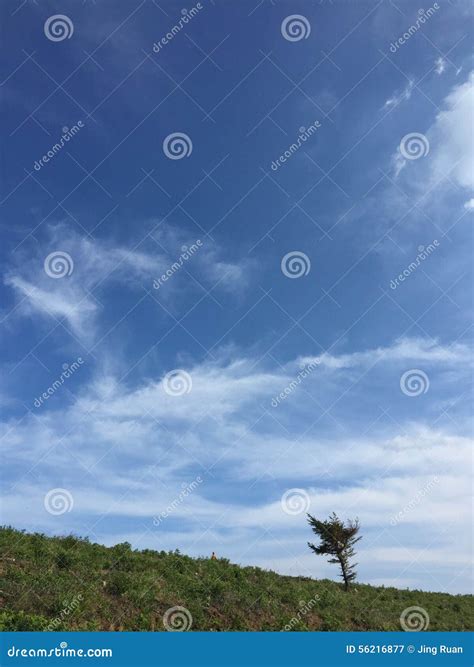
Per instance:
{"type": "Point", "coordinates": [268, 271]}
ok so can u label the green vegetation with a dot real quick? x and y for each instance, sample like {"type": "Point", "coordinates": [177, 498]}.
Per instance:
{"type": "Point", "coordinates": [70, 584]}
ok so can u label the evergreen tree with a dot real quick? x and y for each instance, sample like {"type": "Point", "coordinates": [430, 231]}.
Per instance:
{"type": "Point", "coordinates": [337, 540]}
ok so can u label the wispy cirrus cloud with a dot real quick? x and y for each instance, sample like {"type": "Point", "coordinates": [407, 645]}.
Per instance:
{"type": "Point", "coordinates": [404, 349]}
{"type": "Point", "coordinates": [72, 304]}
{"type": "Point", "coordinates": [400, 96]}
{"type": "Point", "coordinates": [93, 265]}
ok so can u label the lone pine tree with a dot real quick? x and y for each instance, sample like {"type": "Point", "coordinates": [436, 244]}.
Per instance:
{"type": "Point", "coordinates": [337, 540]}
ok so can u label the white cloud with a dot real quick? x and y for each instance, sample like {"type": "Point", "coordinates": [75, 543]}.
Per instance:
{"type": "Point", "coordinates": [76, 298]}
{"type": "Point", "coordinates": [440, 65]}
{"type": "Point", "coordinates": [126, 452]}
{"type": "Point", "coordinates": [452, 139]}
{"type": "Point", "coordinates": [230, 276]}
{"type": "Point", "coordinates": [451, 142]}
{"type": "Point", "coordinates": [221, 390]}
{"type": "Point", "coordinates": [398, 163]}
{"type": "Point", "coordinates": [401, 96]}
{"type": "Point", "coordinates": [404, 349]}
{"type": "Point", "coordinates": [69, 303]}
{"type": "Point", "coordinates": [71, 297]}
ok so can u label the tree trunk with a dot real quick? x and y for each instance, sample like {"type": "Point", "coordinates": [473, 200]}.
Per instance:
{"type": "Point", "coordinates": [344, 573]}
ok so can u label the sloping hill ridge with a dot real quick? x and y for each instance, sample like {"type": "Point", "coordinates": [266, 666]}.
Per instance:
{"type": "Point", "coordinates": [69, 583]}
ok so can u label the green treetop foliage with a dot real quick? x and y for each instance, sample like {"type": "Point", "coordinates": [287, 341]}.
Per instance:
{"type": "Point", "coordinates": [337, 540]}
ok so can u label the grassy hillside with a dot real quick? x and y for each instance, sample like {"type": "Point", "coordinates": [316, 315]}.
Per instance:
{"type": "Point", "coordinates": [70, 584]}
